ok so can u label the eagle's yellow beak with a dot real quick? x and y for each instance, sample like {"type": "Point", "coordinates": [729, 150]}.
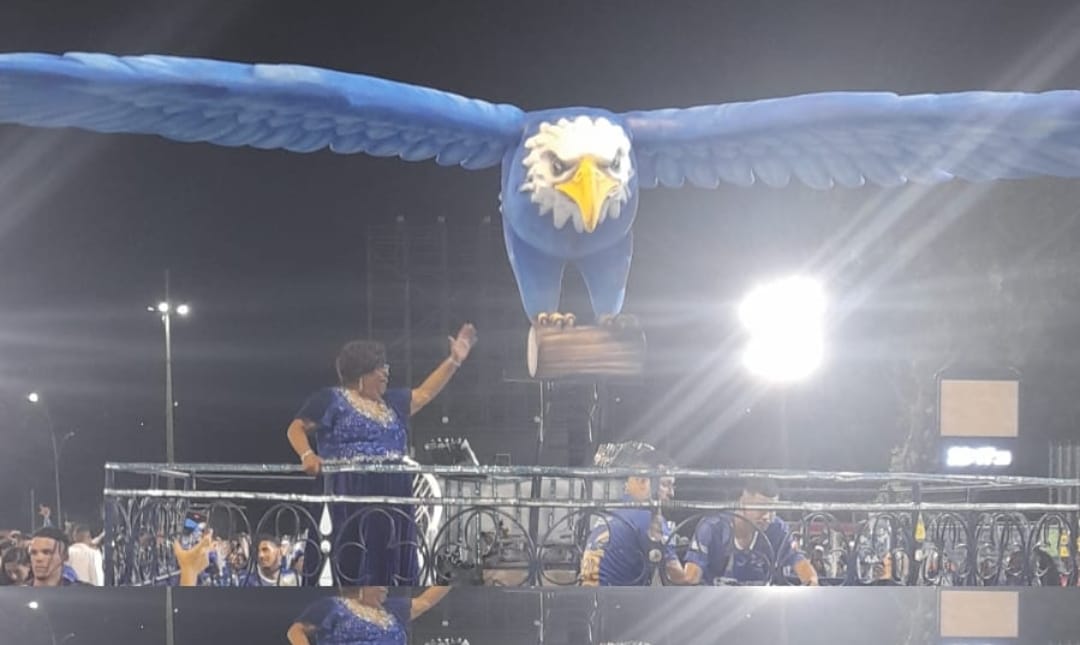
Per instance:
{"type": "Point", "coordinates": [589, 188]}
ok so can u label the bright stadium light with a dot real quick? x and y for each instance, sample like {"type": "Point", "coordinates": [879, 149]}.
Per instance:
{"type": "Point", "coordinates": [786, 323]}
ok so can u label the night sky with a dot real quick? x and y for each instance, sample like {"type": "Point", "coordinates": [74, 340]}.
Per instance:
{"type": "Point", "coordinates": [270, 247]}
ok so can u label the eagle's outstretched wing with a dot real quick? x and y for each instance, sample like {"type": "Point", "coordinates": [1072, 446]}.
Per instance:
{"type": "Point", "coordinates": [293, 107]}
{"type": "Point", "coordinates": [850, 138]}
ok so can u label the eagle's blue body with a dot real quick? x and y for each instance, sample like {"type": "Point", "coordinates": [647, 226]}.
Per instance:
{"type": "Point", "coordinates": [819, 139]}
{"type": "Point", "coordinates": [538, 251]}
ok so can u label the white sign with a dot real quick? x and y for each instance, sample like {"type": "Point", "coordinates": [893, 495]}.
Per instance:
{"type": "Point", "coordinates": [965, 456]}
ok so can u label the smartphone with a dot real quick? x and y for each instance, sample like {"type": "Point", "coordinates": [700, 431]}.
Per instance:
{"type": "Point", "coordinates": [194, 527]}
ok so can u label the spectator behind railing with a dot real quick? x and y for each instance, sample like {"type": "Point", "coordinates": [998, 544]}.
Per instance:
{"type": "Point", "coordinates": [210, 563]}
{"type": "Point", "coordinates": [739, 548]}
{"type": "Point", "coordinates": [272, 569]}
{"type": "Point", "coordinates": [195, 560]}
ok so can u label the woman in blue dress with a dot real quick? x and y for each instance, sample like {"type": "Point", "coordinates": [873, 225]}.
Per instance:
{"type": "Point", "coordinates": [361, 421]}
{"type": "Point", "coordinates": [362, 616]}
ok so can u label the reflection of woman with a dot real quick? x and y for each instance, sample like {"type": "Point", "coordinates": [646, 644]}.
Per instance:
{"type": "Point", "coordinates": [363, 421]}
{"type": "Point", "coordinates": [362, 615]}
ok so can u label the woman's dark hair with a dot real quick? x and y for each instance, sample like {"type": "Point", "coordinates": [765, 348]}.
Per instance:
{"type": "Point", "coordinates": [359, 357]}
{"type": "Point", "coordinates": [14, 555]}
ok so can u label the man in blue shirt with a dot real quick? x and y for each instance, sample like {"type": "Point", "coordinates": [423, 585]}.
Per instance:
{"type": "Point", "coordinates": [620, 551]}
{"type": "Point", "coordinates": [751, 546]}
{"type": "Point", "coordinates": [272, 568]}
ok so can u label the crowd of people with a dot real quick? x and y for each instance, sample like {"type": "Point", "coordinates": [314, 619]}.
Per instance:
{"type": "Point", "coordinates": [355, 615]}
{"type": "Point", "coordinates": [51, 556]}
{"type": "Point", "coordinates": [242, 561]}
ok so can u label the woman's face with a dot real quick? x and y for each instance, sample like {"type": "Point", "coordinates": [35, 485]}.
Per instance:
{"type": "Point", "coordinates": [378, 378]}
{"type": "Point", "coordinates": [17, 573]}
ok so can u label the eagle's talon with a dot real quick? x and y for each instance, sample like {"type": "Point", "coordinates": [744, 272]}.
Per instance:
{"type": "Point", "coordinates": [556, 320]}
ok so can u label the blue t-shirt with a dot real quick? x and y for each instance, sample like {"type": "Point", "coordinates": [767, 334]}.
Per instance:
{"type": "Point", "coordinates": [713, 550]}
{"type": "Point", "coordinates": [616, 553]}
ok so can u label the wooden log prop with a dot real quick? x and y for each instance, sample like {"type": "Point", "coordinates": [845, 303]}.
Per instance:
{"type": "Point", "coordinates": [573, 353]}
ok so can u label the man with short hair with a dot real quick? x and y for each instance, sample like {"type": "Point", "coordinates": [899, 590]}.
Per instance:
{"type": "Point", "coordinates": [619, 552]}
{"type": "Point", "coordinates": [85, 558]}
{"type": "Point", "coordinates": [48, 558]}
{"type": "Point", "coordinates": [739, 548]}
{"type": "Point", "coordinates": [270, 570]}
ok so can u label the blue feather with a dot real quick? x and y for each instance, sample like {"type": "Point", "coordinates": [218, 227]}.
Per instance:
{"type": "Point", "coordinates": [265, 106]}
{"type": "Point", "coordinates": [850, 138]}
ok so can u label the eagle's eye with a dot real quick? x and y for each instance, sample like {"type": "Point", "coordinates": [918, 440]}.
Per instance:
{"type": "Point", "coordinates": [616, 163]}
{"type": "Point", "coordinates": [557, 165]}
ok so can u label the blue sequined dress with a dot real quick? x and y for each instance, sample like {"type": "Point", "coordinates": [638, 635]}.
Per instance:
{"type": "Point", "coordinates": [336, 624]}
{"type": "Point", "coordinates": [372, 545]}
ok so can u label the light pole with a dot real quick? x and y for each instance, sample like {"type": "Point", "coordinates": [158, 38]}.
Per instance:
{"type": "Point", "coordinates": [57, 449]}
{"type": "Point", "coordinates": [166, 309]}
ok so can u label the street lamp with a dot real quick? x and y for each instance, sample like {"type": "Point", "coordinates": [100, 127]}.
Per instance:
{"type": "Point", "coordinates": [165, 309]}
{"type": "Point", "coordinates": [57, 448]}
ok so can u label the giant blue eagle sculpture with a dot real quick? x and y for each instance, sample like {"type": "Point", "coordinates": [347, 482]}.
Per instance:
{"type": "Point", "coordinates": [570, 176]}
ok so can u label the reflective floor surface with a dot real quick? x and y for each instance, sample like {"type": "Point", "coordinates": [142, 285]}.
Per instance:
{"type": "Point", "coordinates": [570, 616]}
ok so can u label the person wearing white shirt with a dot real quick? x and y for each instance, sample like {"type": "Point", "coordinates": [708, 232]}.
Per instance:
{"type": "Point", "coordinates": [85, 558]}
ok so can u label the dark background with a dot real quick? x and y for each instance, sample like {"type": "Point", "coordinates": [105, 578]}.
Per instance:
{"type": "Point", "coordinates": [279, 252]}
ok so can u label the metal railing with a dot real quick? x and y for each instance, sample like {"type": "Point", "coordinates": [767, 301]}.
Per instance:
{"type": "Point", "coordinates": [530, 525]}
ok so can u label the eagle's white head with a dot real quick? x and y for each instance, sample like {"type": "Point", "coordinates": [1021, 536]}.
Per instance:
{"type": "Point", "coordinates": [578, 170]}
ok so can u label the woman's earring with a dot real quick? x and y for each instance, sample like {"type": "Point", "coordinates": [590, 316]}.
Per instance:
{"type": "Point", "coordinates": [360, 385]}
